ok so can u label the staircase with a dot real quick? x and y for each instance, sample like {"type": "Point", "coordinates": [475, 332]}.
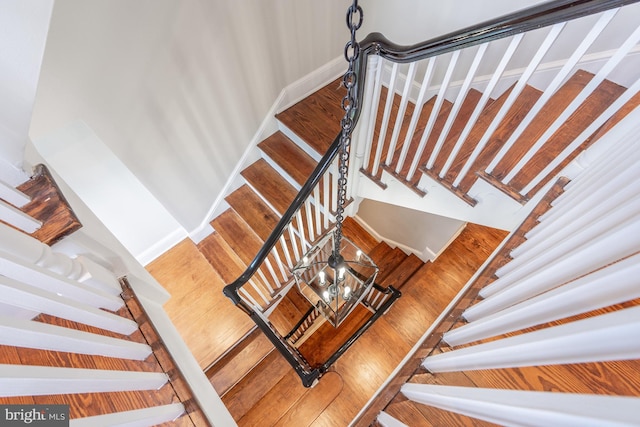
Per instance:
{"type": "Point", "coordinates": [271, 183]}
{"type": "Point", "coordinates": [491, 147]}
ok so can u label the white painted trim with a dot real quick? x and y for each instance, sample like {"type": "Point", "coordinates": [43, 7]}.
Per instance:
{"type": "Point", "coordinates": [26, 380]}
{"type": "Point", "coordinates": [308, 84]}
{"type": "Point", "coordinates": [31, 298]}
{"type": "Point", "coordinates": [12, 195]}
{"type": "Point", "coordinates": [386, 420]}
{"type": "Point", "coordinates": [17, 218]}
{"type": "Point", "coordinates": [530, 408]}
{"type": "Point", "coordinates": [161, 246]}
{"type": "Point", "coordinates": [151, 416]}
{"type": "Point", "coordinates": [11, 174]}
{"type": "Point", "coordinates": [17, 312]}
{"type": "Point", "coordinates": [617, 283]}
{"type": "Point", "coordinates": [595, 339]}
{"type": "Point", "coordinates": [454, 302]}
{"type": "Point", "coordinates": [42, 336]}
{"type": "Point", "coordinates": [203, 392]}
{"type": "Point", "coordinates": [425, 255]}
{"type": "Point", "coordinates": [38, 277]}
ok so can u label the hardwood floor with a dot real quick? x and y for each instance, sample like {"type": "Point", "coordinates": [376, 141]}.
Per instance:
{"type": "Point", "coordinates": [208, 321]}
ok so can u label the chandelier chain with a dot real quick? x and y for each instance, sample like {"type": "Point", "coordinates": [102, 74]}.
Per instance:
{"type": "Point", "coordinates": [349, 105]}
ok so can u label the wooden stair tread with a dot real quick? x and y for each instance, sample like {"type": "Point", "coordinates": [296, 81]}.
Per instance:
{"type": "Point", "coordinates": [316, 119]}
{"type": "Point", "coordinates": [326, 340]}
{"type": "Point", "coordinates": [541, 122]}
{"type": "Point", "coordinates": [291, 158]}
{"type": "Point", "coordinates": [222, 257]}
{"type": "Point", "coordinates": [617, 116]}
{"type": "Point", "coordinates": [403, 272]}
{"type": "Point", "coordinates": [295, 405]}
{"type": "Point", "coordinates": [238, 235]}
{"type": "Point", "coordinates": [234, 365]}
{"type": "Point", "coordinates": [358, 235]}
{"type": "Point", "coordinates": [270, 184]}
{"type": "Point", "coordinates": [256, 213]}
{"type": "Point", "coordinates": [406, 412]}
{"type": "Point", "coordinates": [466, 109]}
{"type": "Point", "coordinates": [592, 107]}
{"type": "Point", "coordinates": [286, 315]}
{"type": "Point", "coordinates": [49, 206]}
{"type": "Point", "coordinates": [522, 105]}
{"type": "Point", "coordinates": [246, 393]}
{"type": "Point", "coordinates": [387, 259]}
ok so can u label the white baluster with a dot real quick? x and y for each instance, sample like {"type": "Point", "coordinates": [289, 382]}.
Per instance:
{"type": "Point", "coordinates": [568, 238]}
{"type": "Point", "coordinates": [404, 101]}
{"type": "Point", "coordinates": [413, 124]}
{"type": "Point", "coordinates": [38, 335]}
{"type": "Point", "coordinates": [386, 420]}
{"type": "Point", "coordinates": [486, 96]}
{"type": "Point", "coordinates": [31, 298]}
{"type": "Point", "coordinates": [22, 380]}
{"type": "Point", "coordinates": [595, 125]}
{"type": "Point", "coordinates": [385, 119]}
{"type": "Point", "coordinates": [39, 277]}
{"type": "Point", "coordinates": [434, 114]}
{"type": "Point", "coordinates": [151, 416]}
{"type": "Point", "coordinates": [374, 87]}
{"type": "Point", "coordinates": [316, 205]}
{"type": "Point", "coordinates": [513, 95]}
{"type": "Point", "coordinates": [620, 54]}
{"type": "Point", "coordinates": [11, 195]}
{"type": "Point", "coordinates": [279, 263]}
{"type": "Point", "coordinates": [554, 85]}
{"type": "Point", "coordinates": [17, 218]}
{"type": "Point", "coordinates": [457, 104]}
{"type": "Point", "coordinates": [511, 407]}
{"type": "Point", "coordinates": [615, 284]}
{"type": "Point", "coordinates": [608, 247]}
{"type": "Point", "coordinates": [596, 339]}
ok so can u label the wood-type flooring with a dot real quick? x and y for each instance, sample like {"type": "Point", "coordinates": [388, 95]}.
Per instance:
{"type": "Point", "coordinates": [205, 318]}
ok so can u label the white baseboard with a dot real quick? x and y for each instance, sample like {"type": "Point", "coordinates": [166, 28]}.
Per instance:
{"type": "Point", "coordinates": [162, 246]}
{"type": "Point", "coordinates": [425, 254]}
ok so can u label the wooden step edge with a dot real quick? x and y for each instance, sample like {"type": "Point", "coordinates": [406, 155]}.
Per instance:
{"type": "Point", "coordinates": [49, 206]}
{"type": "Point", "coordinates": [228, 357]}
{"type": "Point", "coordinates": [378, 182]}
{"type": "Point", "coordinates": [420, 192]}
{"type": "Point", "coordinates": [177, 381]}
{"type": "Point", "coordinates": [399, 280]}
{"type": "Point", "coordinates": [449, 186]}
{"type": "Point", "coordinates": [506, 189]}
{"type": "Point", "coordinates": [231, 352]}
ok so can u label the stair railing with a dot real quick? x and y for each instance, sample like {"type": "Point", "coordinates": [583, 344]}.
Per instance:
{"type": "Point", "coordinates": [437, 87]}
{"type": "Point", "coordinates": [311, 211]}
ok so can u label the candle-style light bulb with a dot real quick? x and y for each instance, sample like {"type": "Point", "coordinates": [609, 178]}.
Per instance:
{"type": "Point", "coordinates": [325, 294]}
{"type": "Point", "coordinates": [321, 277]}
{"type": "Point", "coordinates": [347, 292]}
{"type": "Point", "coordinates": [305, 260]}
{"type": "Point", "coordinates": [341, 273]}
{"type": "Point", "coordinates": [358, 255]}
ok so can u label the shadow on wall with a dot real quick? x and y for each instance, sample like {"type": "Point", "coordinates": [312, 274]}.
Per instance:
{"type": "Point", "coordinates": [423, 234]}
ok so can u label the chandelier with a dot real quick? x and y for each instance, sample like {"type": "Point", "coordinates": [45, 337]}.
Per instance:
{"type": "Point", "coordinates": [334, 275]}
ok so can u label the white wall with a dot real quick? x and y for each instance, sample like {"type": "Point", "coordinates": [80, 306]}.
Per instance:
{"type": "Point", "coordinates": [423, 234]}
{"type": "Point", "coordinates": [23, 32]}
{"type": "Point", "coordinates": [177, 89]}
{"type": "Point", "coordinates": [114, 195]}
